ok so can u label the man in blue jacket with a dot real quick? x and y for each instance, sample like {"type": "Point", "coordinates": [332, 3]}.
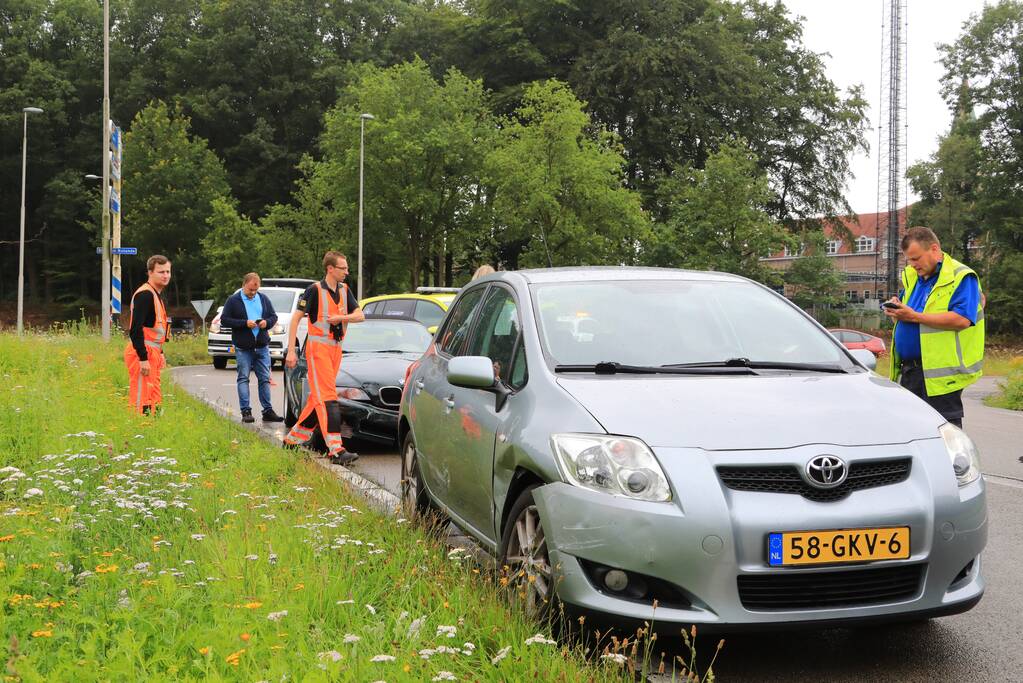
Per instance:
{"type": "Point", "coordinates": [251, 316]}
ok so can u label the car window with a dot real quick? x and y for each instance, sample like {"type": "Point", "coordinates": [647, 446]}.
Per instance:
{"type": "Point", "coordinates": [370, 309]}
{"type": "Point", "coordinates": [668, 322]}
{"type": "Point", "coordinates": [428, 313]}
{"type": "Point", "coordinates": [496, 332]}
{"type": "Point", "coordinates": [399, 308]}
{"type": "Point", "coordinates": [378, 335]}
{"type": "Point", "coordinates": [861, 337]}
{"type": "Point", "coordinates": [459, 321]}
{"type": "Point", "coordinates": [519, 372]}
{"type": "Point", "coordinates": [840, 335]}
{"type": "Point", "coordinates": [283, 300]}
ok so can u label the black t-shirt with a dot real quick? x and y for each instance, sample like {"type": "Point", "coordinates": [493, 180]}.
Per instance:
{"type": "Point", "coordinates": [310, 305]}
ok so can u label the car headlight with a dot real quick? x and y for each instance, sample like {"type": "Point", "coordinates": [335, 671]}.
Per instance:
{"type": "Point", "coordinates": [619, 465]}
{"type": "Point", "coordinates": [963, 454]}
{"type": "Point", "coordinates": [352, 393]}
{"type": "Point", "coordinates": [278, 329]}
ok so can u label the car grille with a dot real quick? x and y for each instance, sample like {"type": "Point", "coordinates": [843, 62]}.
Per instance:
{"type": "Point", "coordinates": [390, 396]}
{"type": "Point", "coordinates": [787, 479]}
{"type": "Point", "coordinates": [823, 590]}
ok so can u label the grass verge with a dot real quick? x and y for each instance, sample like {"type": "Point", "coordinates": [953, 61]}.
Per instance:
{"type": "Point", "coordinates": [1010, 395]}
{"type": "Point", "coordinates": [184, 547]}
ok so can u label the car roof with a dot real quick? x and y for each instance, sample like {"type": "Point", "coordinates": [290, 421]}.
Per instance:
{"type": "Point", "coordinates": [443, 299]}
{"type": "Point", "coordinates": [610, 273]}
{"type": "Point", "coordinates": [296, 282]}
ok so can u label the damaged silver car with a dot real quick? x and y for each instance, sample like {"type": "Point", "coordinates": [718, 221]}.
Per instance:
{"type": "Point", "coordinates": [620, 436]}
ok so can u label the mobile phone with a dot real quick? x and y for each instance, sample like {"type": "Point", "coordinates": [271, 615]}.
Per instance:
{"type": "Point", "coordinates": [890, 304]}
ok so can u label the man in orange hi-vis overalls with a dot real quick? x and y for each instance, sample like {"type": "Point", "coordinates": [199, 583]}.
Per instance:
{"type": "Point", "coordinates": [330, 306]}
{"type": "Point", "coordinates": [147, 330]}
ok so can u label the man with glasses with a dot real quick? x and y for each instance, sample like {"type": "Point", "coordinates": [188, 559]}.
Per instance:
{"type": "Point", "coordinates": [330, 306]}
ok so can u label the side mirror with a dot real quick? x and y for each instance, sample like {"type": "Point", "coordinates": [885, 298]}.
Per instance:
{"type": "Point", "coordinates": [865, 358]}
{"type": "Point", "coordinates": [473, 372]}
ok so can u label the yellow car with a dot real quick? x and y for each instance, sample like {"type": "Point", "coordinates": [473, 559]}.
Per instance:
{"type": "Point", "coordinates": [427, 305]}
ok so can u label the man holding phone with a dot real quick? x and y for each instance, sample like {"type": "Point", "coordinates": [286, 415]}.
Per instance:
{"type": "Point", "coordinates": [938, 341]}
{"type": "Point", "coordinates": [251, 316]}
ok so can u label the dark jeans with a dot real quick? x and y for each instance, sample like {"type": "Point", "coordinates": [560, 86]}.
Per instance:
{"type": "Point", "coordinates": [257, 359]}
{"type": "Point", "coordinates": [949, 405]}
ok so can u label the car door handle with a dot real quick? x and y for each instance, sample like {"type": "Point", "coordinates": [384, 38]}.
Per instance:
{"type": "Point", "coordinates": [419, 385]}
{"type": "Point", "coordinates": [450, 403]}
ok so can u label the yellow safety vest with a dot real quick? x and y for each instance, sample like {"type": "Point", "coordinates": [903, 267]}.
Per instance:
{"type": "Point", "coordinates": [952, 360]}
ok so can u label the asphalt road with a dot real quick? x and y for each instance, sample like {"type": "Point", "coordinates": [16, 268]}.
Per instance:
{"type": "Point", "coordinates": [985, 644]}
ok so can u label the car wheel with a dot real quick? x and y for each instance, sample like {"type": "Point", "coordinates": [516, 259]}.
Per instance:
{"type": "Point", "coordinates": [414, 498]}
{"type": "Point", "coordinates": [525, 565]}
{"type": "Point", "coordinates": [220, 362]}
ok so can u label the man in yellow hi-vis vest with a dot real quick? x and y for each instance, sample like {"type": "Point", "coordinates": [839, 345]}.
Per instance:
{"type": "Point", "coordinates": [938, 341]}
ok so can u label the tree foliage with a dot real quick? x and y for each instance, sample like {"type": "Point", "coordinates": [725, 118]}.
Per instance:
{"type": "Point", "coordinates": [813, 279]}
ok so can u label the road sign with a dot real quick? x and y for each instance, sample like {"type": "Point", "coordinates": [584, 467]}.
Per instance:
{"type": "Point", "coordinates": [202, 307]}
{"type": "Point", "coordinates": [115, 201]}
{"type": "Point", "coordinates": [125, 251]}
{"type": "Point", "coordinates": [115, 136]}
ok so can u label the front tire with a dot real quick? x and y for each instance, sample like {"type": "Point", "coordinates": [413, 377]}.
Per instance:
{"type": "Point", "coordinates": [524, 562]}
{"type": "Point", "coordinates": [290, 416]}
{"type": "Point", "coordinates": [414, 498]}
{"type": "Point", "coordinates": [220, 362]}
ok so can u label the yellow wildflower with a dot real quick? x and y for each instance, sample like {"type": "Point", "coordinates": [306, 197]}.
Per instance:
{"type": "Point", "coordinates": [42, 634]}
{"type": "Point", "coordinates": [4, 539]}
{"type": "Point", "coordinates": [299, 587]}
{"type": "Point", "coordinates": [106, 568]}
{"type": "Point", "coordinates": [233, 658]}
{"type": "Point", "coordinates": [252, 605]}
{"type": "Point", "coordinates": [204, 651]}
{"type": "Point", "coordinates": [245, 637]}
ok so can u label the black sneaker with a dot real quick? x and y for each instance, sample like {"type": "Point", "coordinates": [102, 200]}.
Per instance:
{"type": "Point", "coordinates": [271, 416]}
{"type": "Point", "coordinates": [247, 415]}
{"type": "Point", "coordinates": [344, 458]}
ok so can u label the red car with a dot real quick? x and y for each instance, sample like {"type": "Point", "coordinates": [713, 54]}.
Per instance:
{"type": "Point", "coordinates": [852, 339]}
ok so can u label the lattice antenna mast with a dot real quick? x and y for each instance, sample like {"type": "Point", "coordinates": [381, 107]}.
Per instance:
{"type": "Point", "coordinates": [891, 144]}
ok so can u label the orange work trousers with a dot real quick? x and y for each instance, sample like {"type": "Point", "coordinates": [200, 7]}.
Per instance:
{"type": "Point", "coordinates": [323, 362]}
{"type": "Point", "coordinates": [144, 390]}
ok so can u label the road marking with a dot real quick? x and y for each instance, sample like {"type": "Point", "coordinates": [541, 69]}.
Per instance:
{"type": "Point", "coordinates": [1004, 481]}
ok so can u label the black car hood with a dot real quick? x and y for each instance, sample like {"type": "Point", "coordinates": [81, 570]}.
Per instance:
{"type": "Point", "coordinates": [380, 369]}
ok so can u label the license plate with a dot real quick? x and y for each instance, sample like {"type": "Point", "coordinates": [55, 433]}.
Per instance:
{"type": "Point", "coordinates": [837, 546]}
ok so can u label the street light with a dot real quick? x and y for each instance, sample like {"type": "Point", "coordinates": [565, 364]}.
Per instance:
{"type": "Point", "coordinates": [362, 146]}
{"type": "Point", "coordinates": [93, 176]}
{"type": "Point", "coordinates": [21, 242]}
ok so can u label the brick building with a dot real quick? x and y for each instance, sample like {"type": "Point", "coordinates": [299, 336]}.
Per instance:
{"type": "Point", "coordinates": [861, 260]}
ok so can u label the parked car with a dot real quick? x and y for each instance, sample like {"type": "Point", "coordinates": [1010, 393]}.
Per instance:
{"type": "Point", "coordinates": [284, 294]}
{"type": "Point", "coordinates": [377, 354]}
{"type": "Point", "coordinates": [704, 444]}
{"type": "Point", "coordinates": [851, 339]}
{"type": "Point", "coordinates": [182, 325]}
{"type": "Point", "coordinates": [427, 305]}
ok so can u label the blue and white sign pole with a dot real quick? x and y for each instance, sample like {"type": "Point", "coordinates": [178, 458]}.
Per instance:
{"type": "Point", "coordinates": [116, 146]}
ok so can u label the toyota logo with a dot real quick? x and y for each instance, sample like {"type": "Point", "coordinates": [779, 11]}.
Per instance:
{"type": "Point", "coordinates": [826, 471]}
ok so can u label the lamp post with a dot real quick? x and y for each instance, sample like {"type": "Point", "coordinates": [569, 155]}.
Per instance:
{"type": "Point", "coordinates": [21, 243]}
{"type": "Point", "coordinates": [362, 147]}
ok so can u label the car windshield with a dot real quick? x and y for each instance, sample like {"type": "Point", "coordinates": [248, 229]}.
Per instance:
{"type": "Point", "coordinates": [382, 336]}
{"type": "Point", "coordinates": [282, 299]}
{"type": "Point", "coordinates": [656, 323]}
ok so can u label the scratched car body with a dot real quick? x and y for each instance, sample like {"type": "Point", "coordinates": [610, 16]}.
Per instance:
{"type": "Point", "coordinates": [618, 436]}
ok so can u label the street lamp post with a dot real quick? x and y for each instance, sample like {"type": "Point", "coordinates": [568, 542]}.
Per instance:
{"type": "Point", "coordinates": [362, 147]}
{"type": "Point", "coordinates": [21, 243]}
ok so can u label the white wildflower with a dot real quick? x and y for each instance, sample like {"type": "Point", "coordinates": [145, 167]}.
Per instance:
{"type": "Point", "coordinates": [372, 609]}
{"type": "Point", "coordinates": [198, 537]}
{"type": "Point", "coordinates": [448, 631]}
{"type": "Point", "coordinates": [382, 658]}
{"type": "Point", "coordinates": [330, 655]}
{"type": "Point", "coordinates": [540, 639]}
{"type": "Point", "coordinates": [501, 654]}
{"type": "Point", "coordinates": [252, 558]}
{"type": "Point", "coordinates": [444, 676]}
{"type": "Point", "coordinates": [141, 567]}
{"type": "Point", "coordinates": [615, 657]}
{"type": "Point", "coordinates": [277, 616]}
{"type": "Point", "coordinates": [413, 628]}
{"type": "Point", "coordinates": [350, 638]}
{"type": "Point", "coordinates": [32, 493]}
{"type": "Point", "coordinates": [345, 602]}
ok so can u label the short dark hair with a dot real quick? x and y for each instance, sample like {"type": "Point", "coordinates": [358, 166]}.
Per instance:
{"type": "Point", "coordinates": [331, 258]}
{"type": "Point", "coordinates": [156, 260]}
{"type": "Point", "coordinates": [249, 277]}
{"type": "Point", "coordinates": [923, 236]}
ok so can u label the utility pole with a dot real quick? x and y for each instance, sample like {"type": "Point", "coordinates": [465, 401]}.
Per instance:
{"type": "Point", "coordinates": [105, 245]}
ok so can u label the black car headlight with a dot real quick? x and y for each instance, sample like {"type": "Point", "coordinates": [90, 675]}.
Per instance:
{"type": "Point", "coordinates": [619, 465]}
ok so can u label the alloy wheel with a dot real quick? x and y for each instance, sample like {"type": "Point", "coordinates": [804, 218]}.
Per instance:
{"type": "Point", "coordinates": [529, 569]}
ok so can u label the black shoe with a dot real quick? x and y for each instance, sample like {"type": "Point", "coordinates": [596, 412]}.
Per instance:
{"type": "Point", "coordinates": [247, 415]}
{"type": "Point", "coordinates": [344, 458]}
{"type": "Point", "coordinates": [271, 416]}
{"type": "Point", "coordinates": [288, 446]}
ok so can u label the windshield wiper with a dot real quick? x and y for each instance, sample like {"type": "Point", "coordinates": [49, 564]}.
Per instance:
{"type": "Point", "coordinates": [613, 368]}
{"type": "Point", "coordinates": [392, 351]}
{"type": "Point", "coordinates": [763, 365]}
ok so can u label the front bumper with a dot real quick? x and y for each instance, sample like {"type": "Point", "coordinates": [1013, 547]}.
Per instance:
{"type": "Point", "coordinates": [369, 422]}
{"type": "Point", "coordinates": [220, 345]}
{"type": "Point", "coordinates": [709, 536]}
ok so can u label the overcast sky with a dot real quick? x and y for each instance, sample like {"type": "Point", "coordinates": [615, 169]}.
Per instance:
{"type": "Point", "coordinates": [851, 33]}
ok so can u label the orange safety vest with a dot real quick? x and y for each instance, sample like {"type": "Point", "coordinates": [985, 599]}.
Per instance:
{"type": "Point", "coordinates": [156, 335]}
{"type": "Point", "coordinates": [319, 331]}
{"type": "Point", "coordinates": [145, 391]}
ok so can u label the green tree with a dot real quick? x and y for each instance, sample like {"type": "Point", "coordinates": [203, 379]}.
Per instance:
{"type": "Point", "coordinates": [720, 219]}
{"type": "Point", "coordinates": [171, 180]}
{"type": "Point", "coordinates": [557, 182]}
{"type": "Point", "coordinates": [813, 279]}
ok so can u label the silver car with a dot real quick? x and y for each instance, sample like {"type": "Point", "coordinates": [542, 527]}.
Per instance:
{"type": "Point", "coordinates": [284, 294]}
{"type": "Point", "coordinates": [620, 436]}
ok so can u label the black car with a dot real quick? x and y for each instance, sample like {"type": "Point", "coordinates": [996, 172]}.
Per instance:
{"type": "Point", "coordinates": [377, 353]}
